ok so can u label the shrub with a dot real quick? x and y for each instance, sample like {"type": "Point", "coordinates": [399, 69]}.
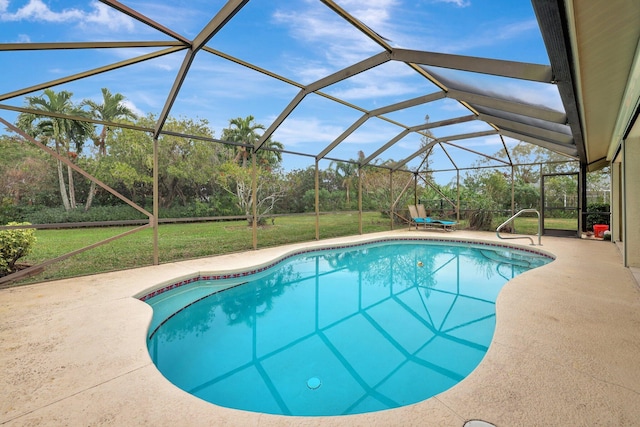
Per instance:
{"type": "Point", "coordinates": [96, 213]}
{"type": "Point", "coordinates": [119, 213]}
{"type": "Point", "coordinates": [597, 213]}
{"type": "Point", "coordinates": [14, 244]}
{"type": "Point", "coordinates": [8, 210]}
{"type": "Point", "coordinates": [481, 219]}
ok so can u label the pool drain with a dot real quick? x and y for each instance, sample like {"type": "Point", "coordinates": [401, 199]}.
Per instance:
{"type": "Point", "coordinates": [478, 423]}
{"type": "Point", "coordinates": [313, 383]}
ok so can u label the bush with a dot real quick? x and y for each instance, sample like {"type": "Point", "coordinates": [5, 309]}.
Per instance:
{"type": "Point", "coordinates": [481, 219]}
{"type": "Point", "coordinates": [14, 244]}
{"type": "Point", "coordinates": [96, 213]}
{"type": "Point", "coordinates": [597, 213]}
{"type": "Point", "coordinates": [117, 213]}
{"type": "Point", "coordinates": [8, 210]}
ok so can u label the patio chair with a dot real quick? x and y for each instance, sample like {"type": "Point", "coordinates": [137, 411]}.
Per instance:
{"type": "Point", "coordinates": [445, 224]}
{"type": "Point", "coordinates": [415, 218]}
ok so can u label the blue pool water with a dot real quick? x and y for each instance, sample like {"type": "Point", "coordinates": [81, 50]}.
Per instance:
{"type": "Point", "coordinates": [336, 332]}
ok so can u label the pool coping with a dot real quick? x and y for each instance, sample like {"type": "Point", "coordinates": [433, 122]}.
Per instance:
{"type": "Point", "coordinates": [564, 350]}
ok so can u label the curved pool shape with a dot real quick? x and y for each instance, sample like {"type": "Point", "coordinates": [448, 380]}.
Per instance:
{"type": "Point", "coordinates": [335, 331]}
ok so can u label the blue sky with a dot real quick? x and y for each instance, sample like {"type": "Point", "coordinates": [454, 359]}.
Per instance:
{"type": "Point", "coordinates": [301, 40]}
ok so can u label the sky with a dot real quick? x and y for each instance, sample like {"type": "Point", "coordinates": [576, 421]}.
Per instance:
{"type": "Point", "coordinates": [300, 40]}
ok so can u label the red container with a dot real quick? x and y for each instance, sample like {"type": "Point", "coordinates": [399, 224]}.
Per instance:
{"type": "Point", "coordinates": [599, 229]}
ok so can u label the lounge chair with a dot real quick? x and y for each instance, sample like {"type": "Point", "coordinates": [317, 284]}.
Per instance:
{"type": "Point", "coordinates": [413, 212]}
{"type": "Point", "coordinates": [419, 216]}
{"type": "Point", "coordinates": [446, 224]}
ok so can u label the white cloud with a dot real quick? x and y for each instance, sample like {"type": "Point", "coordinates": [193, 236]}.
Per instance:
{"type": "Point", "coordinates": [99, 16]}
{"type": "Point", "coordinates": [36, 10]}
{"type": "Point", "coordinates": [312, 135]}
{"type": "Point", "coordinates": [343, 44]}
{"type": "Point", "coordinates": [106, 17]}
{"type": "Point", "coordinates": [452, 105]}
{"type": "Point", "coordinates": [490, 36]}
{"type": "Point", "coordinates": [373, 90]}
{"type": "Point", "coordinates": [131, 106]}
{"type": "Point", "coordinates": [296, 132]}
{"type": "Point", "coordinates": [154, 100]}
{"type": "Point", "coordinates": [308, 70]}
{"type": "Point", "coordinates": [391, 79]}
{"type": "Point", "coordinates": [544, 95]}
{"type": "Point", "coordinates": [511, 31]}
{"type": "Point", "coordinates": [458, 3]}
{"type": "Point", "coordinates": [490, 141]}
{"type": "Point", "coordinates": [375, 13]}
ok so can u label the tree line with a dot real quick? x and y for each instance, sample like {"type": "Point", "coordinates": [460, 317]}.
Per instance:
{"type": "Point", "coordinates": [210, 178]}
{"type": "Point", "coordinates": [199, 176]}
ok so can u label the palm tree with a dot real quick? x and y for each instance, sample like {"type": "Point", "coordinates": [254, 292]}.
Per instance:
{"type": "Point", "coordinates": [269, 155]}
{"type": "Point", "coordinates": [347, 171]}
{"type": "Point", "coordinates": [110, 110]}
{"type": "Point", "coordinates": [61, 131]}
{"type": "Point", "coordinates": [244, 131]}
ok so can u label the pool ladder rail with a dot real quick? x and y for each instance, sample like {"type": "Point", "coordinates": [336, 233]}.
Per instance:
{"type": "Point", "coordinates": [522, 237]}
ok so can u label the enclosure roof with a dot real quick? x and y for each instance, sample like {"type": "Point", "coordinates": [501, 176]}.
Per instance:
{"type": "Point", "coordinates": [330, 78]}
{"type": "Point", "coordinates": [603, 52]}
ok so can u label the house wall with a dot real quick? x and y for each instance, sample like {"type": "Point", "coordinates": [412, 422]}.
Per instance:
{"type": "Point", "coordinates": [616, 201]}
{"type": "Point", "coordinates": [631, 197]}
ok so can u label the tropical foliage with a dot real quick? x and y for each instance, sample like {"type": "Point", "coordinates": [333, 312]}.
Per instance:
{"type": "Point", "coordinates": [200, 177]}
{"type": "Point", "coordinates": [66, 135]}
{"type": "Point", "coordinates": [111, 109]}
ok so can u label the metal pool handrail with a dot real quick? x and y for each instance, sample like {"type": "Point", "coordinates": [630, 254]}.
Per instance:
{"type": "Point", "coordinates": [522, 237]}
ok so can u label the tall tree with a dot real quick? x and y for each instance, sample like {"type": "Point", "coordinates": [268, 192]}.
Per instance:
{"type": "Point", "coordinates": [347, 172]}
{"type": "Point", "coordinates": [186, 165]}
{"type": "Point", "coordinates": [238, 181]}
{"type": "Point", "coordinates": [111, 109]}
{"type": "Point", "coordinates": [298, 182]}
{"type": "Point", "coordinates": [377, 192]}
{"type": "Point", "coordinates": [244, 131]}
{"type": "Point", "coordinates": [62, 132]}
{"type": "Point", "coordinates": [129, 165]}
{"type": "Point", "coordinates": [269, 156]}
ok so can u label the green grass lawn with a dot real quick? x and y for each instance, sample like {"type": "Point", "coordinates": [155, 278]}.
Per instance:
{"type": "Point", "coordinates": [529, 225]}
{"type": "Point", "coordinates": [181, 241]}
{"type": "Point", "coordinates": [194, 240]}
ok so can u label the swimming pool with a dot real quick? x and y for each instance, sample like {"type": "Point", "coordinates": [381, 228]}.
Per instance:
{"type": "Point", "coordinates": [335, 331]}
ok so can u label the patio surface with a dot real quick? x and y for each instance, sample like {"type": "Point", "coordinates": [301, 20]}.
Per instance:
{"type": "Point", "coordinates": [566, 350]}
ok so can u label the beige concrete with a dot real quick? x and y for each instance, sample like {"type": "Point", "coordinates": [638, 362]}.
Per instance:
{"type": "Point", "coordinates": [566, 350]}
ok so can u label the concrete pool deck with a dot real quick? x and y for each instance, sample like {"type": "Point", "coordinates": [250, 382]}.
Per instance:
{"type": "Point", "coordinates": [566, 349]}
